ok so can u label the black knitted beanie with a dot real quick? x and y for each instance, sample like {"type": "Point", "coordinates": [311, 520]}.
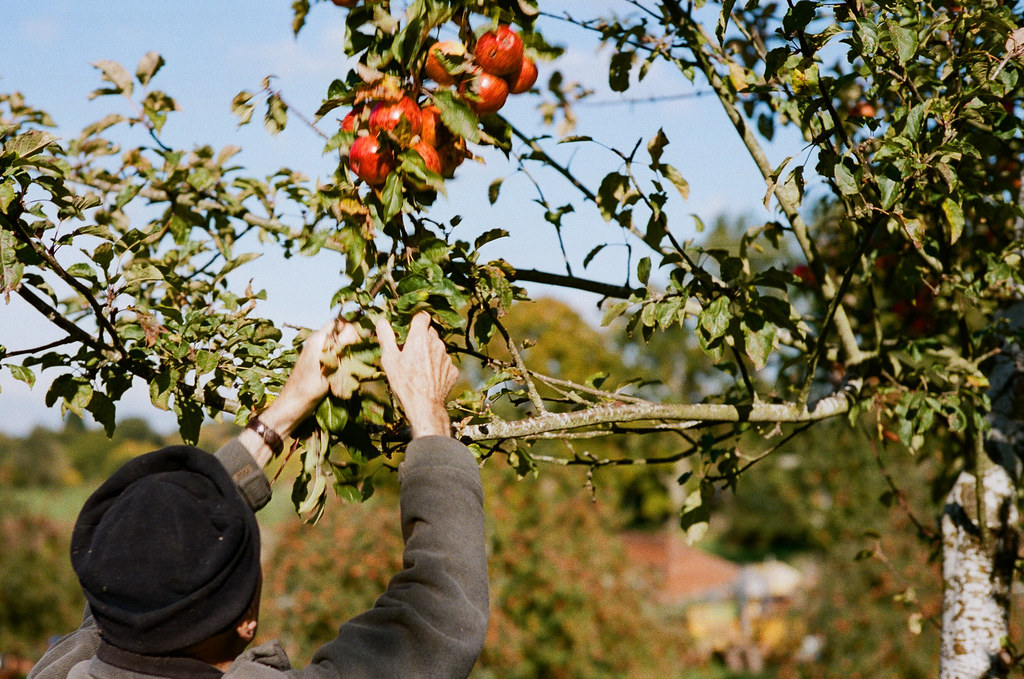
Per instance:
{"type": "Point", "coordinates": [167, 552]}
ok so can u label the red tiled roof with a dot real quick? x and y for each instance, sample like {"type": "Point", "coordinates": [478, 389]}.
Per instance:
{"type": "Point", "coordinates": [682, 572]}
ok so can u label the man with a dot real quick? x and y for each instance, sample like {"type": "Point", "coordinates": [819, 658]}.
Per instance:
{"type": "Point", "coordinates": [167, 549]}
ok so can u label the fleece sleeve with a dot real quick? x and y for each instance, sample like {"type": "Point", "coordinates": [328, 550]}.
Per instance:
{"type": "Point", "coordinates": [247, 475]}
{"type": "Point", "coordinates": [68, 651]}
{"type": "Point", "coordinates": [432, 619]}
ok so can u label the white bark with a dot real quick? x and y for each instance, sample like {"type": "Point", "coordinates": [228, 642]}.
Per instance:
{"type": "Point", "coordinates": [977, 570]}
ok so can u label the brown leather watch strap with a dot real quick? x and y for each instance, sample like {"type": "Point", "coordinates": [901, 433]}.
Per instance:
{"type": "Point", "coordinates": [269, 436]}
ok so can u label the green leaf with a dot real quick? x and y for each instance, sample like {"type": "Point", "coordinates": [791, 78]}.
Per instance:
{"type": "Point", "coordinates": [905, 40]}
{"type": "Point", "coordinates": [7, 195]}
{"type": "Point", "coordinates": [868, 33]}
{"type": "Point", "coordinates": [457, 116]}
{"type": "Point", "coordinates": [759, 343]}
{"type": "Point", "coordinates": [201, 179]}
{"type": "Point", "coordinates": [643, 270]}
{"type": "Point", "coordinates": [332, 415]}
{"type": "Point", "coordinates": [242, 107]}
{"type": "Point", "coordinates": [915, 120]}
{"type": "Point", "coordinates": [11, 273]}
{"type": "Point", "coordinates": [351, 371]}
{"type": "Point", "coordinates": [11, 270]}
{"type": "Point", "coordinates": [28, 143]}
{"type": "Point", "coordinates": [277, 114]}
{"type": "Point", "coordinates": [22, 374]}
{"type": "Point", "coordinates": [83, 270]}
{"type": "Point", "coordinates": [798, 16]}
{"type": "Point", "coordinates": [103, 411]}
{"type": "Point", "coordinates": [300, 8]}
{"type": "Point", "coordinates": [696, 512]}
{"type": "Point", "coordinates": [489, 236]}
{"type": "Point", "coordinates": [723, 19]}
{"type": "Point", "coordinates": [593, 253]}
{"type": "Point", "coordinates": [955, 217]}
{"type": "Point", "coordinates": [846, 180]}
{"type": "Point", "coordinates": [493, 189]}
{"type": "Point", "coordinates": [190, 419]}
{"type": "Point", "coordinates": [613, 312]}
{"type": "Point", "coordinates": [126, 194]}
{"type": "Point", "coordinates": [613, 187]}
{"type": "Point", "coordinates": [140, 270]}
{"type": "Point", "coordinates": [392, 196]}
{"type": "Point", "coordinates": [79, 399]}
{"type": "Point", "coordinates": [888, 190]}
{"type": "Point", "coordinates": [714, 318]}
{"type": "Point", "coordinates": [206, 361]}
{"type": "Point", "coordinates": [774, 60]}
{"type": "Point", "coordinates": [149, 64]}
{"type": "Point", "coordinates": [618, 71]}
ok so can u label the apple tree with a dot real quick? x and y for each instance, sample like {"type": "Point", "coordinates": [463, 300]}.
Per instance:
{"type": "Point", "coordinates": [904, 307]}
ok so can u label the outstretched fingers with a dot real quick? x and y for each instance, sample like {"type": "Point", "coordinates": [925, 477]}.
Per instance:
{"type": "Point", "coordinates": [388, 346]}
{"type": "Point", "coordinates": [420, 373]}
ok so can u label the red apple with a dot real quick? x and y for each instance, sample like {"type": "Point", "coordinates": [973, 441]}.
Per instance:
{"type": "Point", "coordinates": [865, 109]}
{"type": "Point", "coordinates": [429, 155]}
{"type": "Point", "coordinates": [432, 130]}
{"type": "Point", "coordinates": [349, 122]}
{"type": "Point", "coordinates": [370, 161]}
{"type": "Point", "coordinates": [386, 116]}
{"type": "Point", "coordinates": [435, 69]}
{"type": "Point", "coordinates": [523, 78]}
{"type": "Point", "coordinates": [485, 93]}
{"type": "Point", "coordinates": [499, 52]}
{"type": "Point", "coordinates": [451, 154]}
{"type": "Point", "coordinates": [345, 3]}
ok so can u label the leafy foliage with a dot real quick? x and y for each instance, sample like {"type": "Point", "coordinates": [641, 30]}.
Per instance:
{"type": "Point", "coordinates": [38, 591]}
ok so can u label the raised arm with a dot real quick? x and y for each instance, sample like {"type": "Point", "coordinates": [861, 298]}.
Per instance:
{"type": "Point", "coordinates": [432, 619]}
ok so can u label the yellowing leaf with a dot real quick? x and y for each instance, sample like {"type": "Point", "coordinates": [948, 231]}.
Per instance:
{"type": "Point", "coordinates": [955, 217]}
{"type": "Point", "coordinates": [738, 76]}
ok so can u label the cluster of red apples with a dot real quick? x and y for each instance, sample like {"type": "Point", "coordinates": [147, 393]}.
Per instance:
{"type": "Point", "coordinates": [483, 79]}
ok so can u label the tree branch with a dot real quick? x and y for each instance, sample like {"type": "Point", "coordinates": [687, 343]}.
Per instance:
{"type": "Point", "coordinates": [702, 413]}
{"type": "Point", "coordinates": [101, 319]}
{"type": "Point", "coordinates": [561, 280]}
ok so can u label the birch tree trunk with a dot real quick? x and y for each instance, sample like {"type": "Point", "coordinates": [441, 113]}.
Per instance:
{"type": "Point", "coordinates": [978, 556]}
{"type": "Point", "coordinates": [977, 570]}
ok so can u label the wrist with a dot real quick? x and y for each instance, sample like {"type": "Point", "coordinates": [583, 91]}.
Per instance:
{"type": "Point", "coordinates": [283, 416]}
{"type": "Point", "coordinates": [256, 446]}
{"type": "Point", "coordinates": [434, 422]}
{"type": "Point", "coordinates": [278, 421]}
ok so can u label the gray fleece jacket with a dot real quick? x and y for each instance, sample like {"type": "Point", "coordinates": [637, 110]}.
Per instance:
{"type": "Point", "coordinates": [430, 622]}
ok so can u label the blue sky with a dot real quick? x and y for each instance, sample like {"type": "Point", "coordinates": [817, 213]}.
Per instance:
{"type": "Point", "coordinates": [214, 50]}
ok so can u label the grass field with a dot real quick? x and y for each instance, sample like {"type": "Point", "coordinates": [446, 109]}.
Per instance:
{"type": "Point", "coordinates": [63, 504]}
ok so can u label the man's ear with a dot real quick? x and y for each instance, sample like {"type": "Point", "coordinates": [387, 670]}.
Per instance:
{"type": "Point", "coordinates": [247, 629]}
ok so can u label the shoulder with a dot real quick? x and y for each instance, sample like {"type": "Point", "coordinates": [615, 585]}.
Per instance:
{"type": "Point", "coordinates": [266, 661]}
{"type": "Point", "coordinates": [79, 670]}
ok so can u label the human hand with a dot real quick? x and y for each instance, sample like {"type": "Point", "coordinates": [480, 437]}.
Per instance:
{"type": "Point", "coordinates": [421, 374]}
{"type": "Point", "coordinates": [306, 386]}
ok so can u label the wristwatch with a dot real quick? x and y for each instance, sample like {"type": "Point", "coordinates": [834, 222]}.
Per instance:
{"type": "Point", "coordinates": [269, 436]}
